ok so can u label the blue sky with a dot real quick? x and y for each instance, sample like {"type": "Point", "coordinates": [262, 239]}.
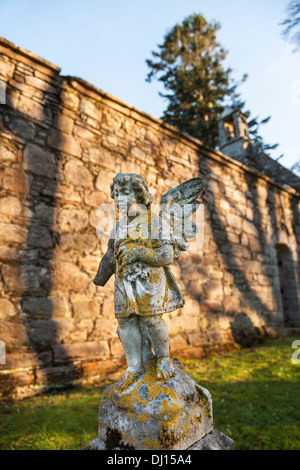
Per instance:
{"type": "Point", "coordinates": [107, 43]}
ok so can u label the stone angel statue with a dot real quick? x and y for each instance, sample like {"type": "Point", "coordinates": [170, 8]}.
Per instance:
{"type": "Point", "coordinates": [141, 248]}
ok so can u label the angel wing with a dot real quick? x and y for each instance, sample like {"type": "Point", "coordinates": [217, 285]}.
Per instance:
{"type": "Point", "coordinates": [177, 205]}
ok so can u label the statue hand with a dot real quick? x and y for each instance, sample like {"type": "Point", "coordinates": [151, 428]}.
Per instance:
{"type": "Point", "coordinates": [130, 255]}
{"type": "Point", "coordinates": [127, 255]}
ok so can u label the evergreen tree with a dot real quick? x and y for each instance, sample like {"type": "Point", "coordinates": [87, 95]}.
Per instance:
{"type": "Point", "coordinates": [190, 64]}
{"type": "Point", "coordinates": [292, 32]}
{"type": "Point", "coordinates": [292, 23]}
{"type": "Point", "coordinates": [256, 138]}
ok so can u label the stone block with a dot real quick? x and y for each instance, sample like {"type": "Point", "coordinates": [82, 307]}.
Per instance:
{"type": "Point", "coordinates": [116, 347]}
{"type": "Point", "coordinates": [192, 352]}
{"type": "Point", "coordinates": [47, 332]}
{"type": "Point", "coordinates": [211, 305]}
{"type": "Point", "coordinates": [196, 339]}
{"type": "Point", "coordinates": [214, 440]}
{"type": "Point", "coordinates": [12, 233]}
{"type": "Point", "coordinates": [182, 322]}
{"type": "Point", "coordinates": [104, 180]}
{"type": "Point", "coordinates": [15, 379]}
{"type": "Point", "coordinates": [108, 307]}
{"type": "Point", "coordinates": [15, 180]}
{"type": "Point", "coordinates": [84, 324]}
{"type": "Point", "coordinates": [215, 335]}
{"type": "Point", "coordinates": [65, 193]}
{"type": "Point", "coordinates": [249, 228]}
{"type": "Point", "coordinates": [57, 375]}
{"type": "Point", "coordinates": [24, 129]}
{"type": "Point", "coordinates": [41, 83]}
{"type": "Point", "coordinates": [240, 251]}
{"type": "Point", "coordinates": [46, 307]}
{"type": "Point", "coordinates": [225, 206]}
{"type": "Point", "coordinates": [178, 342]}
{"type": "Point", "coordinates": [72, 220]}
{"type": "Point", "coordinates": [214, 289]}
{"type": "Point", "coordinates": [69, 99]}
{"type": "Point", "coordinates": [103, 369]}
{"type": "Point", "coordinates": [8, 155]}
{"type": "Point", "coordinates": [255, 267]}
{"type": "Point", "coordinates": [85, 135]}
{"type": "Point", "coordinates": [44, 213]}
{"type": "Point", "coordinates": [235, 221]}
{"type": "Point", "coordinates": [26, 89]}
{"type": "Point", "coordinates": [81, 351]}
{"type": "Point", "coordinates": [12, 97]}
{"type": "Point", "coordinates": [214, 187]}
{"type": "Point", "coordinates": [39, 161]}
{"type": "Point", "coordinates": [7, 309]}
{"type": "Point", "coordinates": [68, 277]}
{"type": "Point", "coordinates": [191, 306]}
{"type": "Point", "coordinates": [89, 108]}
{"type": "Point", "coordinates": [13, 334]}
{"type": "Point", "coordinates": [64, 143]}
{"type": "Point", "coordinates": [63, 123]}
{"type": "Point", "coordinates": [13, 278]}
{"type": "Point", "coordinates": [97, 155]}
{"type": "Point", "coordinates": [105, 328]}
{"type": "Point", "coordinates": [33, 109]}
{"type": "Point", "coordinates": [76, 174]}
{"type": "Point", "coordinates": [78, 336]}
{"type": "Point", "coordinates": [153, 137]}
{"type": "Point", "coordinates": [231, 303]}
{"type": "Point", "coordinates": [39, 236]}
{"type": "Point", "coordinates": [232, 237]}
{"type": "Point", "coordinates": [86, 309]}
{"type": "Point", "coordinates": [23, 358]}
{"type": "Point", "coordinates": [83, 242]}
{"type": "Point", "coordinates": [110, 141]}
{"type": "Point", "coordinates": [138, 153]}
{"type": "Point", "coordinates": [244, 239]}
{"type": "Point", "coordinates": [6, 67]}
{"type": "Point", "coordinates": [95, 198]}
{"type": "Point", "coordinates": [35, 278]}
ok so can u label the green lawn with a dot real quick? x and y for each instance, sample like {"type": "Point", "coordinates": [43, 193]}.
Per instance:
{"type": "Point", "coordinates": [256, 401]}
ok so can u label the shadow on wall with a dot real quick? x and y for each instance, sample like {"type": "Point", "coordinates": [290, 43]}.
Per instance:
{"type": "Point", "coordinates": [296, 228]}
{"type": "Point", "coordinates": [32, 276]}
{"type": "Point", "coordinates": [270, 311]}
{"type": "Point", "coordinates": [244, 331]}
{"type": "Point", "coordinates": [288, 286]}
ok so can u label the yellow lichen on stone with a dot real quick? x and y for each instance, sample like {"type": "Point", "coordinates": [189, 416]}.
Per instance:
{"type": "Point", "coordinates": [151, 445]}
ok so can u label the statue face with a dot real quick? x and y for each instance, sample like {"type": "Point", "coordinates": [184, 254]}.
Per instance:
{"type": "Point", "coordinates": [124, 197]}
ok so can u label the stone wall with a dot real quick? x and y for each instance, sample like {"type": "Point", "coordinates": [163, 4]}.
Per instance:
{"type": "Point", "coordinates": [62, 141]}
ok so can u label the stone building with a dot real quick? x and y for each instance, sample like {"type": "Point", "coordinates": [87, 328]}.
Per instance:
{"type": "Point", "coordinates": [61, 142]}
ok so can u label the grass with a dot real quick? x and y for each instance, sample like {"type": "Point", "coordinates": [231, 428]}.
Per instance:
{"type": "Point", "coordinates": [255, 395]}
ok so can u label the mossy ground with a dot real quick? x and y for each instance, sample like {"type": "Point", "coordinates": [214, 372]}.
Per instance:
{"type": "Point", "coordinates": [255, 394]}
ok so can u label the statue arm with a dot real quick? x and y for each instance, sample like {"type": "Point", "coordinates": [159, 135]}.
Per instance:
{"type": "Point", "coordinates": [106, 267]}
{"type": "Point", "coordinates": [153, 257]}
{"type": "Point", "coordinates": [158, 257]}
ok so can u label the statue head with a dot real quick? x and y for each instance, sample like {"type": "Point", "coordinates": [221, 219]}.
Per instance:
{"type": "Point", "coordinates": [128, 189]}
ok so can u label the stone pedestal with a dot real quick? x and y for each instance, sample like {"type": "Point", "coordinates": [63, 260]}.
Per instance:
{"type": "Point", "coordinates": [157, 415]}
{"type": "Point", "coordinates": [215, 440]}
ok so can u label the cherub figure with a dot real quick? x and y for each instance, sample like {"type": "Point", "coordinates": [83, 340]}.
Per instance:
{"type": "Point", "coordinates": [140, 250]}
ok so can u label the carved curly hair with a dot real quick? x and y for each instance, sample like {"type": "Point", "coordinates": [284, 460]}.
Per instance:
{"type": "Point", "coordinates": [138, 184]}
